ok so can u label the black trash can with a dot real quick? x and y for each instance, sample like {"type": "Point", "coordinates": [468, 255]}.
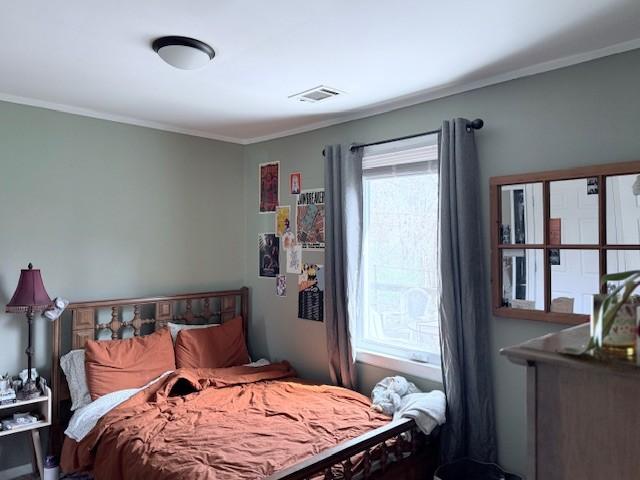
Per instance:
{"type": "Point", "coordinates": [467, 469]}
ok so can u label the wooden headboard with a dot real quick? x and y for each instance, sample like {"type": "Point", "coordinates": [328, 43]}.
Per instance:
{"type": "Point", "coordinates": [105, 319]}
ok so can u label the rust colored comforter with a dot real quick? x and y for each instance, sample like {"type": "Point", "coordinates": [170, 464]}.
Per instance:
{"type": "Point", "coordinates": [230, 423]}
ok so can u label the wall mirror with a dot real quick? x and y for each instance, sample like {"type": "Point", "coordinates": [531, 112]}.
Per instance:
{"type": "Point", "coordinates": [555, 233]}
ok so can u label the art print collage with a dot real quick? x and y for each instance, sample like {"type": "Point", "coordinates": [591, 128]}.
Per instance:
{"type": "Point", "coordinates": [292, 238]}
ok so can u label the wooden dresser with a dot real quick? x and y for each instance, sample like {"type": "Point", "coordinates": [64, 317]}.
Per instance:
{"type": "Point", "coordinates": [583, 415]}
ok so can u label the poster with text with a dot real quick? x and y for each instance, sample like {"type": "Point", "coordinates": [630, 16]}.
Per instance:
{"type": "Point", "coordinates": [269, 254]}
{"type": "Point", "coordinates": [311, 292]}
{"type": "Point", "coordinates": [294, 259]}
{"type": "Point", "coordinates": [310, 219]}
{"type": "Point", "coordinates": [283, 224]}
{"type": "Point", "coordinates": [269, 178]}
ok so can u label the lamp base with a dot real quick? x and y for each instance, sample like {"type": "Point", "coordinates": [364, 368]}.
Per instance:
{"type": "Point", "coordinates": [29, 391]}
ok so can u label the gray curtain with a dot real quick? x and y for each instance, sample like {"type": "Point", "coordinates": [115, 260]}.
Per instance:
{"type": "Point", "coordinates": [343, 254]}
{"type": "Point", "coordinates": [464, 313]}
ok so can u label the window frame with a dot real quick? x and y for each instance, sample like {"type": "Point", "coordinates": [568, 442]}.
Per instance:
{"type": "Point", "coordinates": [422, 364]}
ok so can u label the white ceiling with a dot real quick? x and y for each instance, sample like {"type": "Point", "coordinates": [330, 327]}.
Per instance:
{"type": "Point", "coordinates": [94, 57]}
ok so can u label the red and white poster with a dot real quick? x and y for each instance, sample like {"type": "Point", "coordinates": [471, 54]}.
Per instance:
{"type": "Point", "coordinates": [269, 178]}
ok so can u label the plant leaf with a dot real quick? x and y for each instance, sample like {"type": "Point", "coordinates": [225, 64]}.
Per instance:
{"type": "Point", "coordinates": [618, 277]}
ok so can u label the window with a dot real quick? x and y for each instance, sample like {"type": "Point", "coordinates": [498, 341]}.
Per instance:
{"type": "Point", "coordinates": [400, 251]}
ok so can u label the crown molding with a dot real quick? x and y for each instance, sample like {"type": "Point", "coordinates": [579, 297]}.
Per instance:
{"type": "Point", "coordinates": [453, 89]}
{"type": "Point", "coordinates": [85, 112]}
{"type": "Point", "coordinates": [377, 109]}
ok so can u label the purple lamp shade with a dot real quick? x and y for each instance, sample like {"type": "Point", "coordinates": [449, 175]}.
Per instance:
{"type": "Point", "coordinates": [30, 293]}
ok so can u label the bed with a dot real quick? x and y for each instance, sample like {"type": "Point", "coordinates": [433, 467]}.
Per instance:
{"type": "Point", "coordinates": [340, 437]}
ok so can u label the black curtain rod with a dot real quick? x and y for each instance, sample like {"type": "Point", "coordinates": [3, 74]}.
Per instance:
{"type": "Point", "coordinates": [476, 124]}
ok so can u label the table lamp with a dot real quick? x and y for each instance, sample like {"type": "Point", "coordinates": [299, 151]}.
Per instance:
{"type": "Point", "coordinates": [30, 296]}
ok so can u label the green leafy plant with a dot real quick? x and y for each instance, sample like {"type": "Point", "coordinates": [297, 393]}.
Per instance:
{"type": "Point", "coordinates": [615, 299]}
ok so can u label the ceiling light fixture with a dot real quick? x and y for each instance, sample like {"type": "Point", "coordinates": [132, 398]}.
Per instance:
{"type": "Point", "coordinates": [183, 52]}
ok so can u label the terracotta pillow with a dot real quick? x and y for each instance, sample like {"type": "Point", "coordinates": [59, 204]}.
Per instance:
{"type": "Point", "coordinates": [118, 364]}
{"type": "Point", "coordinates": [220, 347]}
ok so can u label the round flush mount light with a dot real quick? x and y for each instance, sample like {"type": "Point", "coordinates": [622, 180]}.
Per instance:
{"type": "Point", "coordinates": [183, 52]}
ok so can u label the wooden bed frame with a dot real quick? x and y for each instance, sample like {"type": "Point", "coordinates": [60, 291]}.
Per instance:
{"type": "Point", "coordinates": [396, 450]}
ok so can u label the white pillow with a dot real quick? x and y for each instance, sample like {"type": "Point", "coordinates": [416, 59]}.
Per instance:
{"type": "Point", "coordinates": [73, 367]}
{"type": "Point", "coordinates": [174, 328]}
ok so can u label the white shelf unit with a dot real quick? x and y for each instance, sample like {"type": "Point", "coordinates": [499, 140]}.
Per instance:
{"type": "Point", "coordinates": [42, 407]}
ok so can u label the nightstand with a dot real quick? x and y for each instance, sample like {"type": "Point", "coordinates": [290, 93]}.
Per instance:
{"type": "Point", "coordinates": [41, 406]}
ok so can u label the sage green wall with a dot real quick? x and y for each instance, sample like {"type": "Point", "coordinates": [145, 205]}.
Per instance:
{"type": "Point", "coordinates": [109, 210]}
{"type": "Point", "coordinates": [582, 115]}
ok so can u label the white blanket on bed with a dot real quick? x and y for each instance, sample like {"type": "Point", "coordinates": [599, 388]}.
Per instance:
{"type": "Point", "coordinates": [398, 397]}
{"type": "Point", "coordinates": [85, 418]}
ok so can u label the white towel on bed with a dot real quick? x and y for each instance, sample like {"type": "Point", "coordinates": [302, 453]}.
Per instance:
{"type": "Point", "coordinates": [426, 409]}
{"type": "Point", "coordinates": [398, 397]}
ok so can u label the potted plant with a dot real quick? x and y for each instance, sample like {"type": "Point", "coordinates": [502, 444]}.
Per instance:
{"type": "Point", "coordinates": [606, 313]}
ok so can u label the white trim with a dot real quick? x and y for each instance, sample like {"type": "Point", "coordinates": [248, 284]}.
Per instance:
{"type": "Point", "coordinates": [365, 112]}
{"type": "Point", "coordinates": [455, 88]}
{"type": "Point", "coordinates": [86, 112]}
{"type": "Point", "coordinates": [428, 371]}
{"type": "Point", "coordinates": [14, 472]}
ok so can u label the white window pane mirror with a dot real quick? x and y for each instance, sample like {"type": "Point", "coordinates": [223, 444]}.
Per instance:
{"type": "Point", "coordinates": [623, 209]}
{"type": "Point", "coordinates": [622, 261]}
{"type": "Point", "coordinates": [574, 280]}
{"type": "Point", "coordinates": [523, 279]}
{"type": "Point", "coordinates": [522, 219]}
{"type": "Point", "coordinates": [573, 215]}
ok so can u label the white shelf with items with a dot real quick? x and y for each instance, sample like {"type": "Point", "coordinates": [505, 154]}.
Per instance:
{"type": "Point", "coordinates": [41, 406]}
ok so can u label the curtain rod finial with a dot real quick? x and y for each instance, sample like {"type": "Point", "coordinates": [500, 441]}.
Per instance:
{"type": "Point", "coordinates": [477, 124]}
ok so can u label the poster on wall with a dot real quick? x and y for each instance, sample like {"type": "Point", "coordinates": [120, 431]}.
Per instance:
{"type": "Point", "coordinates": [269, 178]}
{"type": "Point", "coordinates": [281, 285]}
{"type": "Point", "coordinates": [295, 183]}
{"type": "Point", "coordinates": [268, 255]}
{"type": "Point", "coordinates": [288, 240]}
{"type": "Point", "coordinates": [283, 214]}
{"type": "Point", "coordinates": [310, 215]}
{"type": "Point", "coordinates": [294, 259]}
{"type": "Point", "coordinates": [311, 292]}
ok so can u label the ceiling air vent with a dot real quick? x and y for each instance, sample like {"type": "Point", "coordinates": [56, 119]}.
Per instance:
{"type": "Point", "coordinates": [317, 94]}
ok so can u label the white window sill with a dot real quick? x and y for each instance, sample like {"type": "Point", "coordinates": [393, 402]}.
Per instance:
{"type": "Point", "coordinates": [426, 371]}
